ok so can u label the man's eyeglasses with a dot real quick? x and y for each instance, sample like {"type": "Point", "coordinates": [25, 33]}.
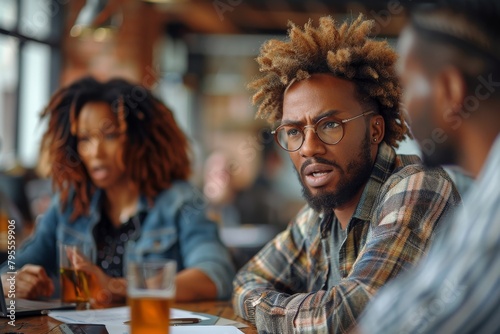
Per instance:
{"type": "Point", "coordinates": [328, 129]}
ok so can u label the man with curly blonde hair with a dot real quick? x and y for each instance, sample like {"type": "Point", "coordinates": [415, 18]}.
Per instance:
{"type": "Point", "coordinates": [370, 213]}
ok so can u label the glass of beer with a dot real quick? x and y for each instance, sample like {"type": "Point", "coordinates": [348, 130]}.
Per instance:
{"type": "Point", "coordinates": [75, 287]}
{"type": "Point", "coordinates": [150, 290]}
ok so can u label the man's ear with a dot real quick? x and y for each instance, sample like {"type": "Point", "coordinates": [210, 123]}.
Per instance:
{"type": "Point", "coordinates": [377, 129]}
{"type": "Point", "coordinates": [453, 90]}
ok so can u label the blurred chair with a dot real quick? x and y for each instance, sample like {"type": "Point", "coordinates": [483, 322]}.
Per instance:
{"type": "Point", "coordinates": [246, 240]}
{"type": "Point", "coordinates": [8, 213]}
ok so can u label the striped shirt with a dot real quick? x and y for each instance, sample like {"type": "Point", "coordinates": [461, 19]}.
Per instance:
{"type": "Point", "coordinates": [284, 288]}
{"type": "Point", "coordinates": [457, 288]}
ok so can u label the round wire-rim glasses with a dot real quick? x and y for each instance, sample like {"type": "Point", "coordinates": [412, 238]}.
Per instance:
{"type": "Point", "coordinates": [328, 129]}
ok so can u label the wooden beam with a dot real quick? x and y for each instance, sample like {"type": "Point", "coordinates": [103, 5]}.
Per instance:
{"type": "Point", "coordinates": [200, 16]}
{"type": "Point", "coordinates": [277, 19]}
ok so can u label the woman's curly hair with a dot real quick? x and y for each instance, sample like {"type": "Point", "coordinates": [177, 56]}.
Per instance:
{"type": "Point", "coordinates": [156, 151]}
{"type": "Point", "coordinates": [345, 52]}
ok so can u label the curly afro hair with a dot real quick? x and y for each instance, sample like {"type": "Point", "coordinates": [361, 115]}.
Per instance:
{"type": "Point", "coordinates": [345, 52]}
{"type": "Point", "coordinates": [155, 155]}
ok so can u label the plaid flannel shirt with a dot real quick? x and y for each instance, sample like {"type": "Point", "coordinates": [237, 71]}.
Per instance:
{"type": "Point", "coordinates": [455, 289]}
{"type": "Point", "coordinates": [283, 289]}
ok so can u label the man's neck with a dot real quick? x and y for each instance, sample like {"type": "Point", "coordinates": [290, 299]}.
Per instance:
{"type": "Point", "coordinates": [345, 212]}
{"type": "Point", "coordinates": [475, 148]}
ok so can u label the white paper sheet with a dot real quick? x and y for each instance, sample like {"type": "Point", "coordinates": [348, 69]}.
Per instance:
{"type": "Point", "coordinates": [114, 318]}
{"type": "Point", "coordinates": [111, 316]}
{"type": "Point", "coordinates": [123, 329]}
{"type": "Point", "coordinates": [229, 322]}
{"type": "Point", "coordinates": [176, 313]}
{"type": "Point", "coordinates": [108, 316]}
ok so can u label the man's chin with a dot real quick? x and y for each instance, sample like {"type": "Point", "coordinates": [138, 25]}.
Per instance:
{"type": "Point", "coordinates": [322, 200]}
{"type": "Point", "coordinates": [317, 192]}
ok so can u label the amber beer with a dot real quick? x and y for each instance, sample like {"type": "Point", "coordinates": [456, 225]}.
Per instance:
{"type": "Point", "coordinates": [150, 291]}
{"type": "Point", "coordinates": [74, 286]}
{"type": "Point", "coordinates": [149, 315]}
{"type": "Point", "coordinates": [75, 283]}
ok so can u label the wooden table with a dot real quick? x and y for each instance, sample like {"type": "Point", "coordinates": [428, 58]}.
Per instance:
{"type": "Point", "coordinates": [45, 324]}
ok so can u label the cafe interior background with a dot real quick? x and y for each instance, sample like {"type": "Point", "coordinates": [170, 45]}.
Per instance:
{"type": "Point", "coordinates": [197, 56]}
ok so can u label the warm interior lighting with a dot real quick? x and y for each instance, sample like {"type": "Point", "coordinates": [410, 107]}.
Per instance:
{"type": "Point", "coordinates": [98, 34]}
{"type": "Point", "coordinates": [165, 1]}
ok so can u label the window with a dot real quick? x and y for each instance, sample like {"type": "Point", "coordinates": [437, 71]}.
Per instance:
{"type": "Point", "coordinates": [8, 91]}
{"type": "Point", "coordinates": [28, 47]}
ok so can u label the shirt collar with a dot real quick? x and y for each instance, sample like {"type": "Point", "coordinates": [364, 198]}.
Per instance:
{"type": "Point", "coordinates": [142, 205]}
{"type": "Point", "coordinates": [491, 163]}
{"type": "Point", "coordinates": [382, 169]}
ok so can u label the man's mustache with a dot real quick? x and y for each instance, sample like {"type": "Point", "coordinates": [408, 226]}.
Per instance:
{"type": "Point", "coordinates": [317, 160]}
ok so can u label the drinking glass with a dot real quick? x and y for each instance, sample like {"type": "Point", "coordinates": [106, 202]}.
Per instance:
{"type": "Point", "coordinates": [150, 292]}
{"type": "Point", "coordinates": [75, 283]}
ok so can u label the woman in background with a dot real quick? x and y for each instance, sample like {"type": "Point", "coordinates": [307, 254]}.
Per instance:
{"type": "Point", "coordinates": [119, 163]}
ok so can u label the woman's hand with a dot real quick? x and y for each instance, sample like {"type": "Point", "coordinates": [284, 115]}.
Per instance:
{"type": "Point", "coordinates": [105, 290]}
{"type": "Point", "coordinates": [31, 282]}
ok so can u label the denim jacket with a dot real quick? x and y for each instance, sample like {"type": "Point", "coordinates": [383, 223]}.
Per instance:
{"type": "Point", "coordinates": [175, 227]}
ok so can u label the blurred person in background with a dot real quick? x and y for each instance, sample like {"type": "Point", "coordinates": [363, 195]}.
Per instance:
{"type": "Point", "coordinates": [251, 201]}
{"type": "Point", "coordinates": [370, 214]}
{"type": "Point", "coordinates": [450, 68]}
{"type": "Point", "coordinates": [250, 213]}
{"type": "Point", "coordinates": [119, 163]}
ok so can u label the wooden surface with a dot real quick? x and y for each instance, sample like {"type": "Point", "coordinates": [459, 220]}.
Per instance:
{"type": "Point", "coordinates": [45, 324]}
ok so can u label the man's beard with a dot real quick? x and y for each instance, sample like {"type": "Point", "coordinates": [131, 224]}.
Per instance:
{"type": "Point", "coordinates": [434, 153]}
{"type": "Point", "coordinates": [357, 174]}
